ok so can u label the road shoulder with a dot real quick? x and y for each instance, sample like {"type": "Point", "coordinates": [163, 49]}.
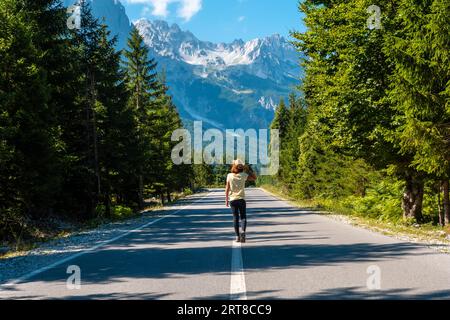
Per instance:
{"type": "Point", "coordinates": [49, 252]}
{"type": "Point", "coordinates": [411, 234]}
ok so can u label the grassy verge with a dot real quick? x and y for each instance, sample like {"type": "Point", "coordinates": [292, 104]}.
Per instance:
{"type": "Point", "coordinates": [432, 235]}
{"type": "Point", "coordinates": [45, 233]}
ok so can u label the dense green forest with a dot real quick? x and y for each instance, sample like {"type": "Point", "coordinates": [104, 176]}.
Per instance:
{"type": "Point", "coordinates": [85, 130]}
{"type": "Point", "coordinates": [369, 132]}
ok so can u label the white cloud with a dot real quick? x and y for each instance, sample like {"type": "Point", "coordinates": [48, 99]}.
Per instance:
{"type": "Point", "coordinates": [160, 8]}
{"type": "Point", "coordinates": [241, 18]}
{"type": "Point", "coordinates": [186, 8]}
{"type": "Point", "coordinates": [189, 8]}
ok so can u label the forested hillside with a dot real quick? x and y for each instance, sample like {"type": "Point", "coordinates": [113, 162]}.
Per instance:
{"type": "Point", "coordinates": [370, 130]}
{"type": "Point", "coordinates": [85, 130]}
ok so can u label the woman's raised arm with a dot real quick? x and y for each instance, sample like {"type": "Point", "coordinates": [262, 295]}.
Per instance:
{"type": "Point", "coordinates": [251, 174]}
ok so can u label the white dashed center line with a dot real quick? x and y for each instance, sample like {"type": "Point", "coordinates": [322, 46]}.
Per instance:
{"type": "Point", "coordinates": [237, 286]}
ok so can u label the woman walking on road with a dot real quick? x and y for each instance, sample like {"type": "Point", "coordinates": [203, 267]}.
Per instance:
{"type": "Point", "coordinates": [235, 195]}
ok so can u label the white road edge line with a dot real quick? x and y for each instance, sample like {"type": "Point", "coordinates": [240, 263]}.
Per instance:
{"type": "Point", "coordinates": [238, 290]}
{"type": "Point", "coordinates": [96, 247]}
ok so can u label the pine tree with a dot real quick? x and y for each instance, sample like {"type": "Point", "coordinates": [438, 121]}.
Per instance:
{"type": "Point", "coordinates": [117, 137]}
{"type": "Point", "coordinates": [281, 119]}
{"type": "Point", "coordinates": [291, 146]}
{"type": "Point", "coordinates": [105, 129]}
{"type": "Point", "coordinates": [421, 87]}
{"type": "Point", "coordinates": [30, 175]}
{"type": "Point", "coordinates": [171, 176]}
{"type": "Point", "coordinates": [142, 82]}
{"type": "Point", "coordinates": [346, 88]}
{"type": "Point", "coordinates": [281, 122]}
{"type": "Point", "coordinates": [86, 140]}
{"type": "Point", "coordinates": [68, 74]}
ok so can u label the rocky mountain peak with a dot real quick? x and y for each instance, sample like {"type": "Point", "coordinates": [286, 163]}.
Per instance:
{"type": "Point", "coordinates": [226, 85]}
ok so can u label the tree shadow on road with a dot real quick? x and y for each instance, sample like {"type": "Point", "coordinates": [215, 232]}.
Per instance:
{"type": "Point", "coordinates": [112, 264]}
{"type": "Point", "coordinates": [348, 293]}
{"type": "Point", "coordinates": [354, 293]}
{"type": "Point", "coordinates": [197, 242]}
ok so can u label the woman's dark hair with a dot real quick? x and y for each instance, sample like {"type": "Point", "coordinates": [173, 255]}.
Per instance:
{"type": "Point", "coordinates": [237, 169]}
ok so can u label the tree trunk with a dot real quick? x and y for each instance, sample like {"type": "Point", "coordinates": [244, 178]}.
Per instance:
{"type": "Point", "coordinates": [440, 211]}
{"type": "Point", "coordinates": [96, 159]}
{"type": "Point", "coordinates": [162, 197]}
{"type": "Point", "coordinates": [107, 205]}
{"type": "Point", "coordinates": [446, 201]}
{"type": "Point", "coordinates": [169, 197]}
{"type": "Point", "coordinates": [141, 189]}
{"type": "Point", "coordinates": [90, 207]}
{"type": "Point", "coordinates": [95, 138]}
{"type": "Point", "coordinates": [413, 198]}
{"type": "Point", "coordinates": [141, 170]}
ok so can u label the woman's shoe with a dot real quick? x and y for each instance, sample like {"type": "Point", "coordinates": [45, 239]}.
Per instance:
{"type": "Point", "coordinates": [243, 238]}
{"type": "Point", "coordinates": [238, 239]}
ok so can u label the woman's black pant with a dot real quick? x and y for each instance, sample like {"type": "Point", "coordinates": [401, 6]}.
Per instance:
{"type": "Point", "coordinates": [239, 208]}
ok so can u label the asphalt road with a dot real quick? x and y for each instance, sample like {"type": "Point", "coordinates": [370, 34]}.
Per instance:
{"type": "Point", "coordinates": [290, 254]}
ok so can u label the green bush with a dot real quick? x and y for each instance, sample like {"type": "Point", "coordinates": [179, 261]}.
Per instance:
{"type": "Point", "coordinates": [12, 226]}
{"type": "Point", "coordinates": [382, 201]}
{"type": "Point", "coordinates": [121, 212]}
{"type": "Point", "coordinates": [187, 192]}
{"type": "Point", "coordinates": [100, 210]}
{"type": "Point", "coordinates": [117, 212]}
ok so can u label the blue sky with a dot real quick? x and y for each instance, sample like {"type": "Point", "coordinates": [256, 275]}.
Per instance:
{"type": "Point", "coordinates": [222, 20]}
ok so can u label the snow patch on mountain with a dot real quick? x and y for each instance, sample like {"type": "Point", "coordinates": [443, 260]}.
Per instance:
{"type": "Point", "coordinates": [220, 82]}
{"type": "Point", "coordinates": [267, 103]}
{"type": "Point", "coordinates": [226, 85]}
{"type": "Point", "coordinates": [172, 42]}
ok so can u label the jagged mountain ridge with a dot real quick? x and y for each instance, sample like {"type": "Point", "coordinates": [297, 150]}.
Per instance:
{"type": "Point", "coordinates": [227, 85]}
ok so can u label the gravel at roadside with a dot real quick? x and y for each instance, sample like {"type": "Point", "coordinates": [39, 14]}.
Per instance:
{"type": "Point", "coordinates": [49, 252]}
